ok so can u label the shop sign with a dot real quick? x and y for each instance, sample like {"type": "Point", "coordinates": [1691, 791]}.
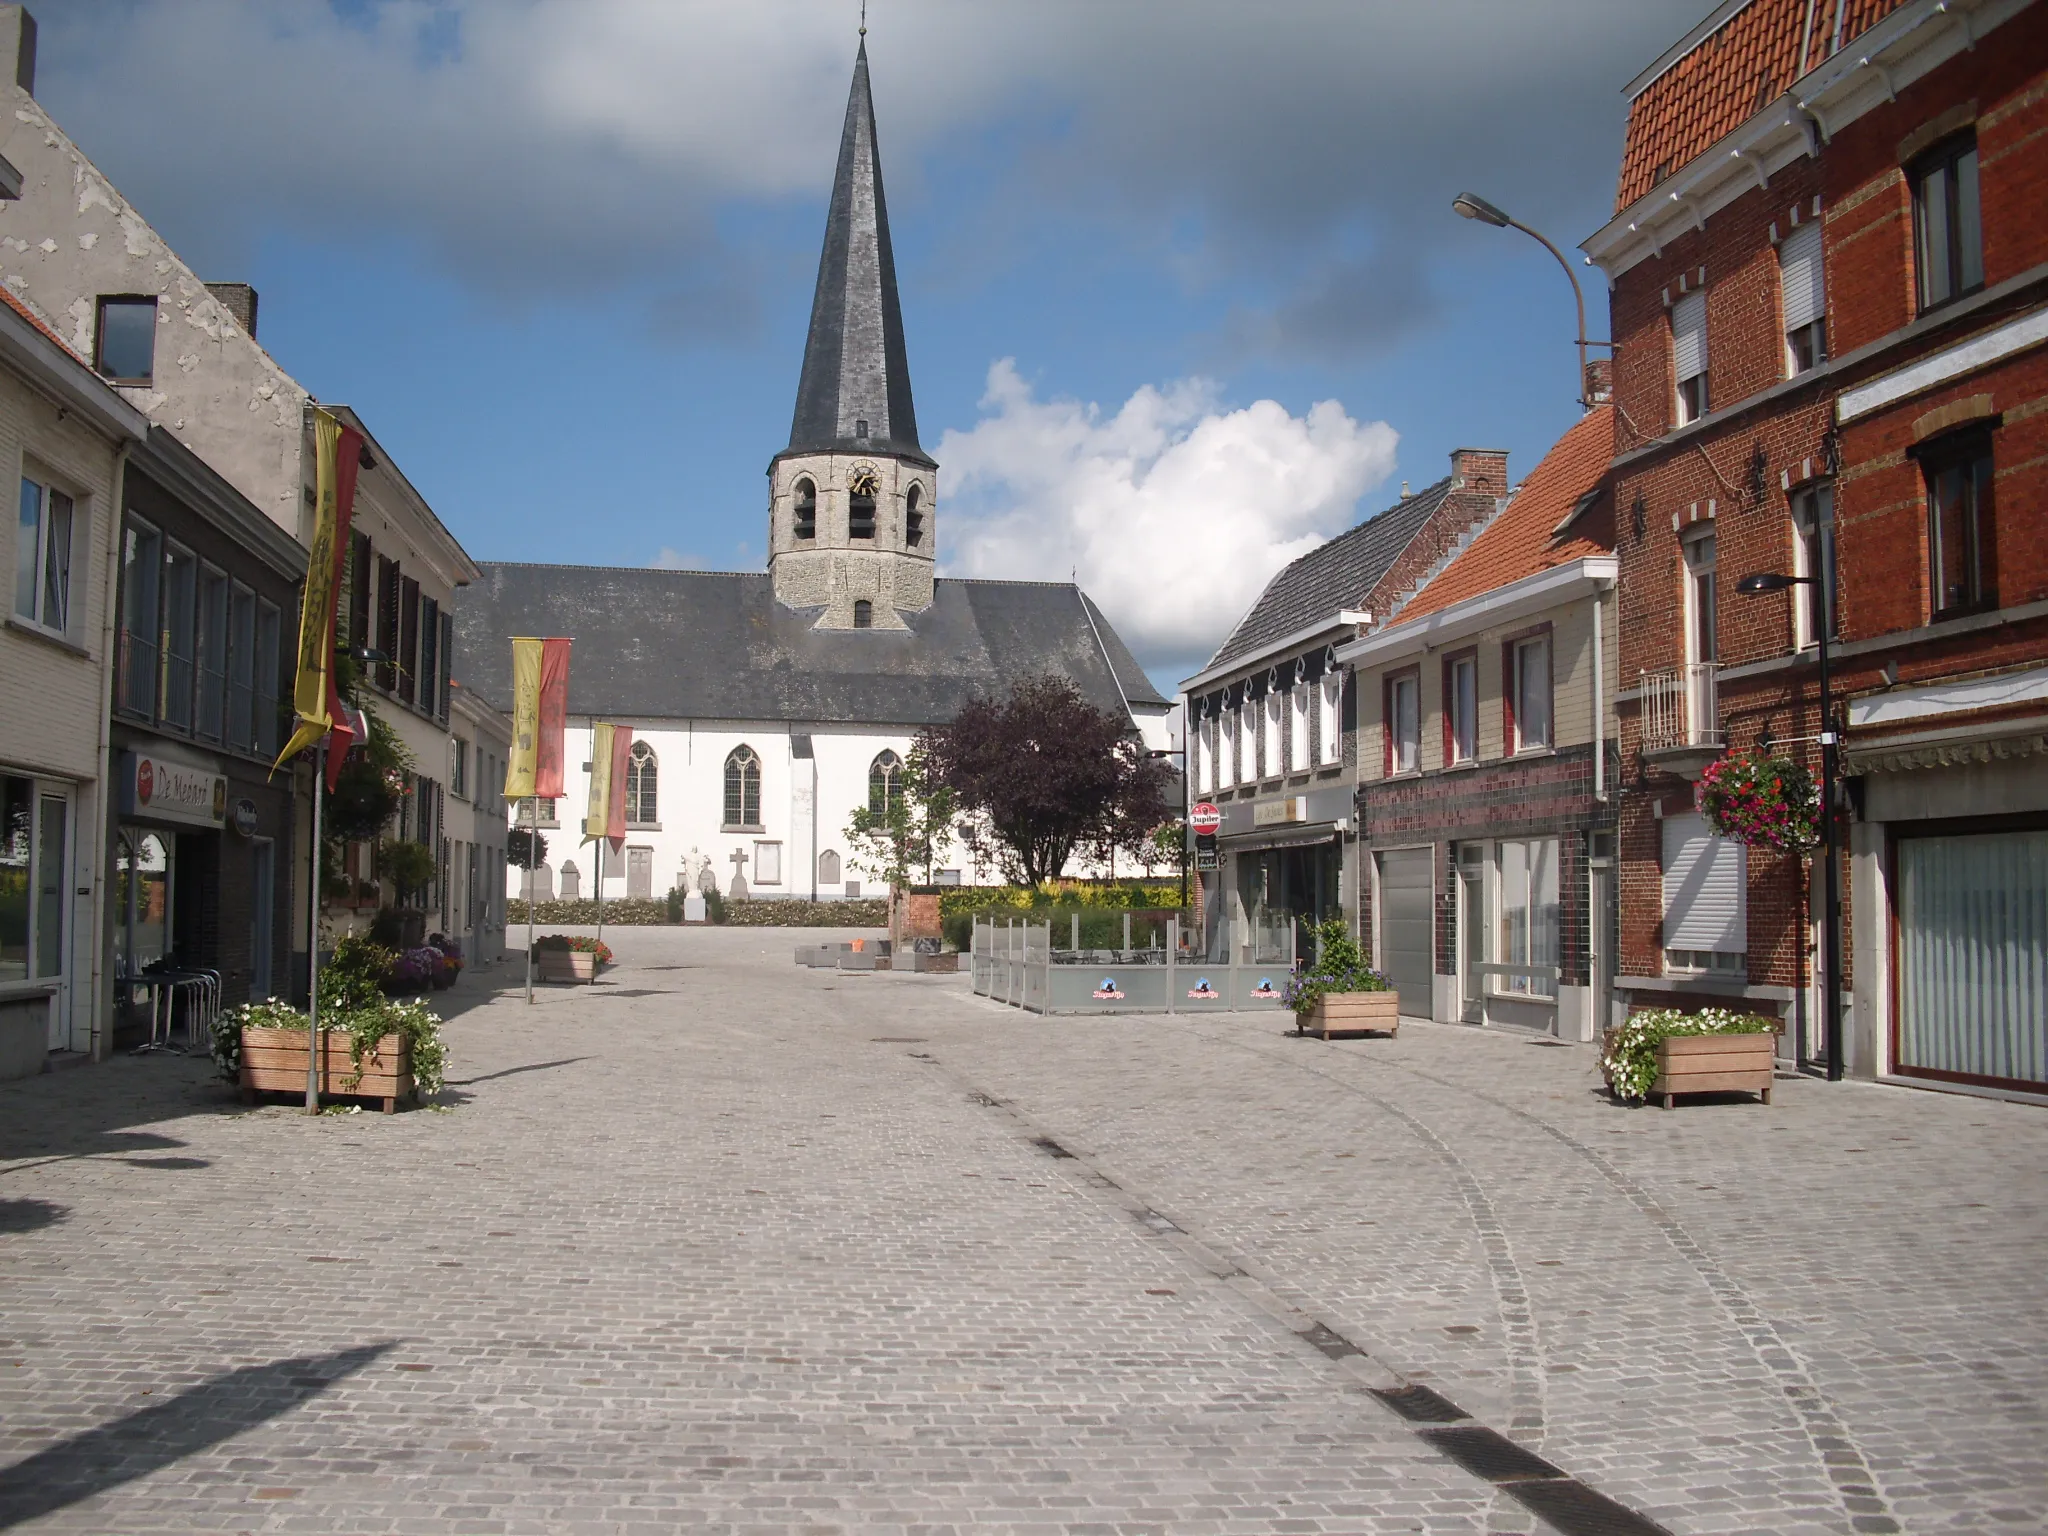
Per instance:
{"type": "Point", "coordinates": [244, 816]}
{"type": "Point", "coordinates": [1265, 991]}
{"type": "Point", "coordinates": [1205, 851]}
{"type": "Point", "coordinates": [1203, 992]}
{"type": "Point", "coordinates": [1109, 991]}
{"type": "Point", "coordinates": [163, 789]}
{"type": "Point", "coordinates": [1285, 812]}
{"type": "Point", "coordinates": [1205, 819]}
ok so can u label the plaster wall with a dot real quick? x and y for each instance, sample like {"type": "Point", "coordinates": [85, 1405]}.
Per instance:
{"type": "Point", "coordinates": [72, 237]}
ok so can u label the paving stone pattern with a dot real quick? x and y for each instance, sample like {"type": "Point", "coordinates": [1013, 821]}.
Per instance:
{"type": "Point", "coordinates": [728, 1245]}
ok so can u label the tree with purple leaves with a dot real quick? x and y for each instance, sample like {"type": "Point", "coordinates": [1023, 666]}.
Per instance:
{"type": "Point", "coordinates": [1043, 775]}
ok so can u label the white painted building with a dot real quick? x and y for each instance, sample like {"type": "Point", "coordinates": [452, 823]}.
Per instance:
{"type": "Point", "coordinates": [766, 706]}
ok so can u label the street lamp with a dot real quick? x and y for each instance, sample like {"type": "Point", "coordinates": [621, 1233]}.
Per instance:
{"type": "Point", "coordinates": [1468, 206]}
{"type": "Point", "coordinates": [1831, 895]}
{"type": "Point", "coordinates": [1182, 754]}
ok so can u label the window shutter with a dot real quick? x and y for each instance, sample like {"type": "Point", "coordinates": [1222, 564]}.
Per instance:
{"type": "Point", "coordinates": [1799, 277]}
{"type": "Point", "coordinates": [1706, 888]}
{"type": "Point", "coordinates": [447, 666]}
{"type": "Point", "coordinates": [1689, 335]}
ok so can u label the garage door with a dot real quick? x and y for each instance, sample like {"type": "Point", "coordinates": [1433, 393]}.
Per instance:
{"type": "Point", "coordinates": [1973, 958]}
{"type": "Point", "coordinates": [1406, 885]}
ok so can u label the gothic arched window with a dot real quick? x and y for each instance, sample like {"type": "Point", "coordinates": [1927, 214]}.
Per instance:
{"type": "Point", "coordinates": [913, 517]}
{"type": "Point", "coordinates": [641, 805]}
{"type": "Point", "coordinates": [863, 613]}
{"type": "Point", "coordinates": [828, 868]}
{"type": "Point", "coordinates": [885, 783]}
{"type": "Point", "coordinates": [743, 788]}
{"type": "Point", "coordinates": [806, 501]}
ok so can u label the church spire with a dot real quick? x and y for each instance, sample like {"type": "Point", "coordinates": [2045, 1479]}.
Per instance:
{"type": "Point", "coordinates": [854, 394]}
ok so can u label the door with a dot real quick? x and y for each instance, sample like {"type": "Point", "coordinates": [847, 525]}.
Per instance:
{"type": "Point", "coordinates": [262, 915]}
{"type": "Point", "coordinates": [1406, 882]}
{"type": "Point", "coordinates": [1973, 958]}
{"type": "Point", "coordinates": [53, 819]}
{"type": "Point", "coordinates": [1600, 933]}
{"type": "Point", "coordinates": [1472, 925]}
{"type": "Point", "coordinates": [640, 872]}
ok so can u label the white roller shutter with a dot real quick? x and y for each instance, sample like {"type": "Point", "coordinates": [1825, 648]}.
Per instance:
{"type": "Point", "coordinates": [1706, 888]}
{"type": "Point", "coordinates": [1799, 277]}
{"type": "Point", "coordinates": [1689, 335]}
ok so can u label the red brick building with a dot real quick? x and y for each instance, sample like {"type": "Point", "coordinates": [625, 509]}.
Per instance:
{"type": "Point", "coordinates": [1829, 288]}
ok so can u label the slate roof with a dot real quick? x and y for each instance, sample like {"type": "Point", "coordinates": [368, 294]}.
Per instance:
{"type": "Point", "coordinates": [1521, 541]}
{"type": "Point", "coordinates": [1728, 76]}
{"type": "Point", "coordinates": [712, 645]}
{"type": "Point", "coordinates": [1331, 576]}
{"type": "Point", "coordinates": [855, 366]}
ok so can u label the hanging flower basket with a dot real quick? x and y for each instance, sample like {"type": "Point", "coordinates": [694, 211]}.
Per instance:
{"type": "Point", "coordinates": [1766, 802]}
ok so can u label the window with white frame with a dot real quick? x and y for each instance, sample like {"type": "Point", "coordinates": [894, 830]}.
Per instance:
{"type": "Point", "coordinates": [1813, 555]}
{"type": "Point", "coordinates": [1706, 898]}
{"type": "Point", "coordinates": [1689, 356]}
{"type": "Point", "coordinates": [1529, 934]}
{"type": "Point", "coordinates": [42, 556]}
{"type": "Point", "coordinates": [1297, 729]}
{"type": "Point", "coordinates": [1404, 722]}
{"type": "Point", "coordinates": [1329, 718]}
{"type": "Point", "coordinates": [1461, 708]}
{"type": "Point", "coordinates": [1205, 755]}
{"type": "Point", "coordinates": [1248, 741]}
{"type": "Point", "coordinates": [1803, 292]}
{"type": "Point", "coordinates": [1226, 748]}
{"type": "Point", "coordinates": [1529, 694]}
{"type": "Point", "coordinates": [643, 782]}
{"type": "Point", "coordinates": [1269, 753]}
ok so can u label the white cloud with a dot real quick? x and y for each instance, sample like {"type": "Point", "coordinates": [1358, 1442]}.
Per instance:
{"type": "Point", "coordinates": [674, 560]}
{"type": "Point", "coordinates": [1172, 510]}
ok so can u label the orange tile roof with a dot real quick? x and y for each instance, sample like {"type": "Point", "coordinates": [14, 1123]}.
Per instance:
{"type": "Point", "coordinates": [1519, 542]}
{"type": "Point", "coordinates": [1728, 77]}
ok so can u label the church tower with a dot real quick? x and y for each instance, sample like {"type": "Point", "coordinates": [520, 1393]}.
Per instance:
{"type": "Point", "coordinates": [851, 500]}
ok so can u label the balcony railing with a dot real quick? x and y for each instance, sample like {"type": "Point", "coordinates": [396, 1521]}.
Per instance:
{"type": "Point", "coordinates": [1681, 708]}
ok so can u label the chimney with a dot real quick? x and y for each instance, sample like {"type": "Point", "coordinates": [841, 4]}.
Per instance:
{"type": "Point", "coordinates": [18, 36]}
{"type": "Point", "coordinates": [1599, 381]}
{"type": "Point", "coordinates": [1484, 470]}
{"type": "Point", "coordinates": [239, 300]}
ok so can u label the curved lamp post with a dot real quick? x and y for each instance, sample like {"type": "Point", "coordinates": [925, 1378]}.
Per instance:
{"type": "Point", "coordinates": [1831, 894]}
{"type": "Point", "coordinates": [1468, 206]}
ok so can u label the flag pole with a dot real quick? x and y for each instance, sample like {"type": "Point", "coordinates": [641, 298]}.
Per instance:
{"type": "Point", "coordinates": [313, 944]}
{"type": "Point", "coordinates": [532, 885]}
{"type": "Point", "coordinates": [600, 909]}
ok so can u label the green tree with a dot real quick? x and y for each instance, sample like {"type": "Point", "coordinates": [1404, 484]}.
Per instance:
{"type": "Point", "coordinates": [907, 822]}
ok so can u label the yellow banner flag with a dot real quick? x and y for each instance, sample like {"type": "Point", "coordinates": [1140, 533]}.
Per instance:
{"type": "Point", "coordinates": [337, 453]}
{"type": "Point", "coordinates": [597, 815]}
{"type": "Point", "coordinates": [519, 770]}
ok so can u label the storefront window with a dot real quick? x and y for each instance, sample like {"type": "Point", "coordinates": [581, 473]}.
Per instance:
{"type": "Point", "coordinates": [33, 846]}
{"type": "Point", "coordinates": [142, 875]}
{"type": "Point", "coordinates": [1528, 913]}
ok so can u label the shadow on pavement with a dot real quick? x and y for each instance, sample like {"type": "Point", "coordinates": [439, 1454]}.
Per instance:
{"type": "Point", "coordinates": [537, 1066]}
{"type": "Point", "coordinates": [146, 1441]}
{"type": "Point", "coordinates": [27, 1215]}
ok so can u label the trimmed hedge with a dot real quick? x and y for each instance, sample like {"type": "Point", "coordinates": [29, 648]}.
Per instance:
{"type": "Point", "coordinates": [807, 914]}
{"type": "Point", "coordinates": [1061, 895]}
{"type": "Point", "coordinates": [620, 911]}
{"type": "Point", "coordinates": [631, 912]}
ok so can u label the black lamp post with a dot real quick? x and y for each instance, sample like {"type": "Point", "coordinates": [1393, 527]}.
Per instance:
{"type": "Point", "coordinates": [1185, 789]}
{"type": "Point", "coordinates": [1831, 893]}
{"type": "Point", "coordinates": [1467, 206]}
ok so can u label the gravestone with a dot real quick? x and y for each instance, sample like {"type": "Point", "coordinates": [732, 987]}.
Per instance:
{"type": "Point", "coordinates": [738, 890]}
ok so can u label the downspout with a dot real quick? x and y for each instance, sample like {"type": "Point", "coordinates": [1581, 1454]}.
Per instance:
{"type": "Point", "coordinates": [1805, 38]}
{"type": "Point", "coordinates": [1599, 702]}
{"type": "Point", "coordinates": [102, 990]}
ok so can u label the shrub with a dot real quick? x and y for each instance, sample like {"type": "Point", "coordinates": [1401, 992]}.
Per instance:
{"type": "Point", "coordinates": [387, 929]}
{"type": "Point", "coordinates": [806, 914]}
{"type": "Point", "coordinates": [1629, 1056]}
{"type": "Point", "coordinates": [619, 911]}
{"type": "Point", "coordinates": [1339, 966]}
{"type": "Point", "coordinates": [365, 1027]}
{"type": "Point", "coordinates": [715, 906]}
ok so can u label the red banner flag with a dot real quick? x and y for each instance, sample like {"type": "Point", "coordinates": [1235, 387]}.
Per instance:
{"type": "Point", "coordinates": [553, 718]}
{"type": "Point", "coordinates": [615, 810]}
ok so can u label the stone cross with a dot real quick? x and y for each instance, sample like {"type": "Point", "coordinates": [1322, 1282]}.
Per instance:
{"type": "Point", "coordinates": [738, 860]}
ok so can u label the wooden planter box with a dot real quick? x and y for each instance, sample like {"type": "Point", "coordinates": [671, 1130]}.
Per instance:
{"type": "Point", "coordinates": [274, 1061]}
{"type": "Point", "coordinates": [1346, 1013]}
{"type": "Point", "coordinates": [1715, 1064]}
{"type": "Point", "coordinates": [566, 965]}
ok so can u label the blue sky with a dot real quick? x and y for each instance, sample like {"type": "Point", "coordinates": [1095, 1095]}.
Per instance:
{"type": "Point", "coordinates": [1181, 283]}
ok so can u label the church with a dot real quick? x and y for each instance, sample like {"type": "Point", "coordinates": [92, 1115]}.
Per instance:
{"type": "Point", "coordinates": [766, 707]}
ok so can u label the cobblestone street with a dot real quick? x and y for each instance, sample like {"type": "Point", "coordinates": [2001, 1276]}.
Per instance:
{"type": "Point", "coordinates": [726, 1245]}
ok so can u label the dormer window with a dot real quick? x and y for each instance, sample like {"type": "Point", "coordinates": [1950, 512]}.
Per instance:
{"type": "Point", "coordinates": [913, 517]}
{"type": "Point", "coordinates": [860, 429]}
{"type": "Point", "coordinates": [806, 501]}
